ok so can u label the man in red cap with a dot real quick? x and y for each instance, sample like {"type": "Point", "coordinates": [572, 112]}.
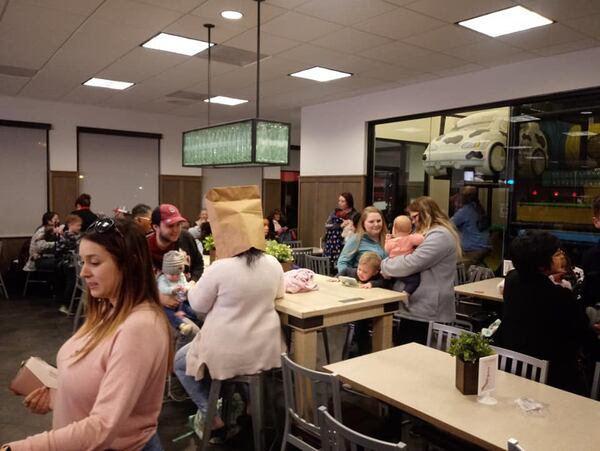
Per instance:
{"type": "Point", "coordinates": [168, 236]}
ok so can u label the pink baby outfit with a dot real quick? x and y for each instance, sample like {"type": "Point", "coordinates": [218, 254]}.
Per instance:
{"type": "Point", "coordinates": [402, 245]}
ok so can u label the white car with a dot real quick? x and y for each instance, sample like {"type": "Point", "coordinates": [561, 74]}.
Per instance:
{"type": "Point", "coordinates": [478, 142]}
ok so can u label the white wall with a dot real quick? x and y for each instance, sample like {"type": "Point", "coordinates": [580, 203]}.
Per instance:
{"type": "Point", "coordinates": [334, 135]}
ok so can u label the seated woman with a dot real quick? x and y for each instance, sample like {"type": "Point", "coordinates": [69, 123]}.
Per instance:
{"type": "Point", "coordinates": [435, 258]}
{"type": "Point", "coordinates": [241, 332]}
{"type": "Point", "coordinates": [278, 226]}
{"type": "Point", "coordinates": [42, 244]}
{"type": "Point", "coordinates": [540, 318]}
{"type": "Point", "coordinates": [473, 227]}
{"type": "Point", "coordinates": [112, 372]}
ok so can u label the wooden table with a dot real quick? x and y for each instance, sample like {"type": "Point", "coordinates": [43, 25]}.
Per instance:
{"type": "Point", "coordinates": [484, 289]}
{"type": "Point", "coordinates": [420, 381]}
{"type": "Point", "coordinates": [335, 304]}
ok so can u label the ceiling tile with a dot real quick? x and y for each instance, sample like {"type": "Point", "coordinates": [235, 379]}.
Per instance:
{"type": "Point", "coordinates": [83, 7]}
{"type": "Point", "coordinates": [432, 62]}
{"type": "Point", "coordinates": [560, 10]}
{"type": "Point", "coordinates": [312, 55]}
{"type": "Point", "coordinates": [89, 95]}
{"type": "Point", "coordinates": [288, 4]}
{"type": "Point", "coordinates": [141, 64]}
{"type": "Point", "coordinates": [395, 52]}
{"type": "Point", "coordinates": [299, 27]}
{"type": "Point", "coordinates": [398, 24]}
{"type": "Point", "coordinates": [568, 47]}
{"type": "Point", "coordinates": [29, 35]}
{"type": "Point", "coordinates": [390, 73]}
{"type": "Point", "coordinates": [458, 10]}
{"type": "Point", "coordinates": [350, 40]}
{"type": "Point", "coordinates": [160, 106]}
{"type": "Point", "coordinates": [269, 43]}
{"type": "Point", "coordinates": [400, 2]}
{"type": "Point", "coordinates": [444, 38]}
{"type": "Point", "coordinates": [554, 34]}
{"type": "Point", "coordinates": [487, 53]}
{"type": "Point", "coordinates": [132, 14]}
{"type": "Point", "coordinates": [345, 12]}
{"type": "Point", "coordinates": [10, 86]}
{"type": "Point", "coordinates": [590, 25]}
{"type": "Point", "coordinates": [183, 6]}
{"type": "Point", "coordinates": [192, 26]}
{"type": "Point", "coordinates": [51, 83]}
{"type": "Point", "coordinates": [139, 94]}
{"type": "Point", "coordinates": [464, 69]}
{"type": "Point", "coordinates": [212, 10]}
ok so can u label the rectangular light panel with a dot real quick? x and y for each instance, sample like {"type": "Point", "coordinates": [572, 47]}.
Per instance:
{"type": "Point", "coordinates": [506, 21]}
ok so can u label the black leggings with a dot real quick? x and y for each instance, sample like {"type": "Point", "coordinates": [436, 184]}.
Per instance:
{"type": "Point", "coordinates": [411, 330]}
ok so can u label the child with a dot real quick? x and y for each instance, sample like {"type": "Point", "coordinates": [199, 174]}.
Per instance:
{"type": "Point", "coordinates": [66, 248]}
{"type": "Point", "coordinates": [172, 281]}
{"type": "Point", "coordinates": [403, 242]}
{"type": "Point", "coordinates": [367, 272]}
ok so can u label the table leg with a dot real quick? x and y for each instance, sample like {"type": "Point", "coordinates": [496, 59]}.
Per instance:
{"type": "Point", "coordinates": [382, 332]}
{"type": "Point", "coordinates": [305, 348]}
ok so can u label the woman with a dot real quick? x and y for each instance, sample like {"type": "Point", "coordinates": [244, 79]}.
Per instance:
{"type": "Point", "coordinates": [42, 244]}
{"type": "Point", "coordinates": [369, 237]}
{"type": "Point", "coordinates": [241, 333]}
{"type": "Point", "coordinates": [340, 218]}
{"type": "Point", "coordinates": [277, 226]}
{"type": "Point", "coordinates": [473, 227]}
{"type": "Point", "coordinates": [435, 259]}
{"type": "Point", "coordinates": [112, 372]}
{"type": "Point", "coordinates": [540, 318]}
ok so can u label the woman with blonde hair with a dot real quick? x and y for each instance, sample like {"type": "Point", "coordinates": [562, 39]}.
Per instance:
{"type": "Point", "coordinates": [112, 372]}
{"type": "Point", "coordinates": [369, 237]}
{"type": "Point", "coordinates": [435, 259]}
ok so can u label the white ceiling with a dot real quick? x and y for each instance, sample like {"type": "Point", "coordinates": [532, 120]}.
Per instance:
{"type": "Point", "coordinates": [384, 43]}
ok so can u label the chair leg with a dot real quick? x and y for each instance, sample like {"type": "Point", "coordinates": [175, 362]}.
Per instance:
{"type": "Point", "coordinates": [79, 313]}
{"type": "Point", "coordinates": [256, 406]}
{"type": "Point", "coordinates": [73, 297]}
{"type": "Point", "coordinates": [213, 398]}
{"type": "Point", "coordinates": [26, 283]}
{"type": "Point", "coordinates": [348, 341]}
{"type": "Point", "coordinates": [326, 345]}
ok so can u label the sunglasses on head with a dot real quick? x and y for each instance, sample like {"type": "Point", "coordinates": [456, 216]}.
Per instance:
{"type": "Point", "coordinates": [104, 225]}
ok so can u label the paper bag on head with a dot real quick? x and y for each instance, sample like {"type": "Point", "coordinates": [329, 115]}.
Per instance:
{"type": "Point", "coordinates": [236, 219]}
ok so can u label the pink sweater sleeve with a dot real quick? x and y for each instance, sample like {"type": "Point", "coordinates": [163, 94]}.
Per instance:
{"type": "Point", "coordinates": [136, 353]}
{"type": "Point", "coordinates": [416, 239]}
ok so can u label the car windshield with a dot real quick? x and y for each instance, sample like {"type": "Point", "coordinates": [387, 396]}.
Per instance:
{"type": "Point", "coordinates": [479, 124]}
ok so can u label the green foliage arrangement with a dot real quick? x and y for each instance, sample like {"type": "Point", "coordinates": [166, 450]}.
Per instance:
{"type": "Point", "coordinates": [208, 243]}
{"type": "Point", "coordinates": [282, 252]}
{"type": "Point", "coordinates": [470, 347]}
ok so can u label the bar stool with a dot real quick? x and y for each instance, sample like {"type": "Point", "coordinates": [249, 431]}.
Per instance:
{"type": "Point", "coordinates": [255, 385]}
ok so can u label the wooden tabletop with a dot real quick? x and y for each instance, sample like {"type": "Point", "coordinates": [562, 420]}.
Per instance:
{"type": "Point", "coordinates": [420, 381]}
{"type": "Point", "coordinates": [484, 289]}
{"type": "Point", "coordinates": [333, 297]}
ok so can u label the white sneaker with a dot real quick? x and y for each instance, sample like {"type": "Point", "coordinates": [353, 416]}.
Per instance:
{"type": "Point", "coordinates": [197, 423]}
{"type": "Point", "coordinates": [193, 327]}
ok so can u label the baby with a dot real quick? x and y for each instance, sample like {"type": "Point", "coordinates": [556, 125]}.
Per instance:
{"type": "Point", "coordinates": [367, 272]}
{"type": "Point", "coordinates": [403, 242]}
{"type": "Point", "coordinates": [172, 281]}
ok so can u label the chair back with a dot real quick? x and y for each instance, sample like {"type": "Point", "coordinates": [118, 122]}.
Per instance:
{"type": "Point", "coordinates": [477, 273]}
{"type": "Point", "coordinates": [522, 365]}
{"type": "Point", "coordinates": [318, 265]}
{"type": "Point", "coordinates": [305, 390]}
{"type": "Point", "coordinates": [513, 445]}
{"type": "Point", "coordinates": [293, 244]}
{"type": "Point", "coordinates": [439, 335]}
{"type": "Point", "coordinates": [299, 253]}
{"type": "Point", "coordinates": [461, 274]}
{"type": "Point", "coordinates": [337, 437]}
{"type": "Point", "coordinates": [596, 383]}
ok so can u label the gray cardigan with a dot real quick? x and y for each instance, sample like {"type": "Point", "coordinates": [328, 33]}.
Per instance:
{"type": "Point", "coordinates": [435, 259]}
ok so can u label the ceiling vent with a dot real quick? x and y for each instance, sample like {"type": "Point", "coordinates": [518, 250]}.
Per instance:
{"type": "Point", "coordinates": [185, 97]}
{"type": "Point", "coordinates": [15, 71]}
{"type": "Point", "coordinates": [232, 55]}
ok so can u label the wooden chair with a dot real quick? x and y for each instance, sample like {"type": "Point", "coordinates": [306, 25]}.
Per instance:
{"type": "Point", "coordinates": [439, 335]}
{"type": "Point", "coordinates": [596, 383]}
{"type": "Point", "coordinates": [319, 265]}
{"type": "Point", "coordinates": [305, 390]}
{"type": "Point", "coordinates": [3, 290]}
{"type": "Point", "coordinates": [337, 437]}
{"type": "Point", "coordinates": [513, 445]}
{"type": "Point", "coordinates": [522, 365]}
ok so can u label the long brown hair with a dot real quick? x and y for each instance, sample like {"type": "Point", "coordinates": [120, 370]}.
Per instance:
{"type": "Point", "coordinates": [360, 229]}
{"type": "Point", "coordinates": [129, 249]}
{"type": "Point", "coordinates": [430, 216]}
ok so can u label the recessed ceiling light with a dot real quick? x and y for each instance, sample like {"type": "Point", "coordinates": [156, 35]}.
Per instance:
{"type": "Point", "coordinates": [110, 84]}
{"type": "Point", "coordinates": [226, 100]}
{"type": "Point", "coordinates": [506, 21]}
{"type": "Point", "coordinates": [231, 15]}
{"type": "Point", "coordinates": [176, 44]}
{"type": "Point", "coordinates": [321, 74]}
{"type": "Point", "coordinates": [587, 112]}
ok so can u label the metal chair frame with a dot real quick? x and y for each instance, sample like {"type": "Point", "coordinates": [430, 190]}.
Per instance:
{"type": "Point", "coordinates": [439, 335]}
{"type": "Point", "coordinates": [319, 265]}
{"type": "Point", "coordinates": [596, 383]}
{"type": "Point", "coordinates": [513, 445]}
{"type": "Point", "coordinates": [79, 287]}
{"type": "Point", "coordinates": [293, 244]}
{"type": "Point", "coordinates": [299, 255]}
{"type": "Point", "coordinates": [530, 367]}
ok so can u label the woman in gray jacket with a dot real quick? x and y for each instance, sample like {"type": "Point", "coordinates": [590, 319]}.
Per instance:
{"type": "Point", "coordinates": [436, 260]}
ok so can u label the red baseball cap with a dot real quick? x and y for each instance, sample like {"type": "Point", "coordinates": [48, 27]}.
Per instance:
{"type": "Point", "coordinates": [169, 214]}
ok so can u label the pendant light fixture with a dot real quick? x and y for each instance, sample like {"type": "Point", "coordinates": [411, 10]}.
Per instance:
{"type": "Point", "coordinates": [250, 142]}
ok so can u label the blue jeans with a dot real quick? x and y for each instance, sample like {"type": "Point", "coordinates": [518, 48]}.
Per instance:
{"type": "Point", "coordinates": [185, 308]}
{"type": "Point", "coordinates": [197, 390]}
{"type": "Point", "coordinates": [153, 444]}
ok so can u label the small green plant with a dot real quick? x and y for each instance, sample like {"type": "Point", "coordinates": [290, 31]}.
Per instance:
{"type": "Point", "coordinates": [470, 347]}
{"type": "Point", "coordinates": [282, 252]}
{"type": "Point", "coordinates": [208, 243]}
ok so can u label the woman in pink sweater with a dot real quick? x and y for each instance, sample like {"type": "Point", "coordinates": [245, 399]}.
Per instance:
{"type": "Point", "coordinates": [111, 373]}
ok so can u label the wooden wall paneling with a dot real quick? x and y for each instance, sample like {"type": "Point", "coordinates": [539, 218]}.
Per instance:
{"type": "Point", "coordinates": [64, 189]}
{"type": "Point", "coordinates": [185, 192]}
{"type": "Point", "coordinates": [10, 250]}
{"type": "Point", "coordinates": [271, 195]}
{"type": "Point", "coordinates": [318, 198]}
